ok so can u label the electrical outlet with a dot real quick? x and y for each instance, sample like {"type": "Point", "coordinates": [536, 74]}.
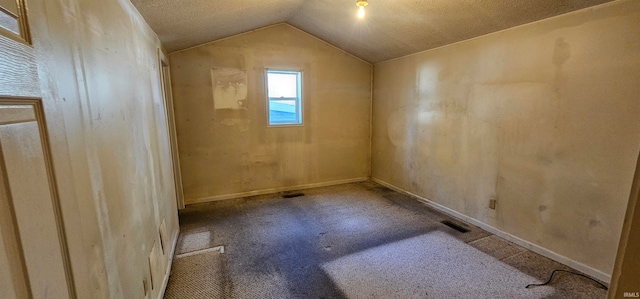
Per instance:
{"type": "Point", "coordinates": [492, 203]}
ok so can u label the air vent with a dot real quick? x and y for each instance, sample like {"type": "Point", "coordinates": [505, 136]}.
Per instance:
{"type": "Point", "coordinates": [455, 226]}
{"type": "Point", "coordinates": [292, 194]}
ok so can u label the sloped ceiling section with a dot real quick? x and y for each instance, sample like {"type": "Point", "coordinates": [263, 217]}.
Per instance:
{"type": "Point", "coordinates": [391, 28]}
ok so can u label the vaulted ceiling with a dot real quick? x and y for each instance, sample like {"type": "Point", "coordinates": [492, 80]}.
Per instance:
{"type": "Point", "coordinates": [391, 28]}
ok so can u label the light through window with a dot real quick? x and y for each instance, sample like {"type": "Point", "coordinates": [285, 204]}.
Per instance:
{"type": "Point", "coordinates": [284, 94]}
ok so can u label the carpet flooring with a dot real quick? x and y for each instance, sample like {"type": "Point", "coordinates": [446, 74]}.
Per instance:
{"type": "Point", "coordinates": [357, 240]}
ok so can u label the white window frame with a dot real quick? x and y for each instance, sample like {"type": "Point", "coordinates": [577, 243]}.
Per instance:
{"type": "Point", "coordinates": [298, 99]}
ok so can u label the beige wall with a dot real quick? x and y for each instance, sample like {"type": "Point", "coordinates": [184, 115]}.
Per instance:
{"type": "Point", "coordinates": [227, 151]}
{"type": "Point", "coordinates": [543, 117]}
{"type": "Point", "coordinates": [98, 70]}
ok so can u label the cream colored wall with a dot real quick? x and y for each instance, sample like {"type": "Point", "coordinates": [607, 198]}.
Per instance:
{"type": "Point", "coordinates": [100, 84]}
{"type": "Point", "coordinates": [543, 117]}
{"type": "Point", "coordinates": [228, 151]}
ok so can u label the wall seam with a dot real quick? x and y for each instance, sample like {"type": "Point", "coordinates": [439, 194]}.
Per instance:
{"type": "Point", "coordinates": [371, 123]}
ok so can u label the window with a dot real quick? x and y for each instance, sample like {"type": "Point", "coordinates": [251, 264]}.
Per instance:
{"type": "Point", "coordinates": [284, 97]}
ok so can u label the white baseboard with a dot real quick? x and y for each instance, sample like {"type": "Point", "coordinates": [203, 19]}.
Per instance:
{"type": "Point", "coordinates": [603, 277]}
{"type": "Point", "coordinates": [165, 282]}
{"type": "Point", "coordinates": [274, 190]}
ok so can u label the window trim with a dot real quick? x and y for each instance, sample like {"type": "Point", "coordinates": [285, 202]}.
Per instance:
{"type": "Point", "coordinates": [299, 100]}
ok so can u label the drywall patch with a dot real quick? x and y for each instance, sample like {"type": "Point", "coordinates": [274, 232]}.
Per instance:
{"type": "Point", "coordinates": [229, 88]}
{"type": "Point", "coordinates": [561, 53]}
{"type": "Point", "coordinates": [242, 123]}
{"type": "Point", "coordinates": [397, 124]}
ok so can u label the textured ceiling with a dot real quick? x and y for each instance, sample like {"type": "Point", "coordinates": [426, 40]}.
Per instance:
{"type": "Point", "coordinates": [391, 28]}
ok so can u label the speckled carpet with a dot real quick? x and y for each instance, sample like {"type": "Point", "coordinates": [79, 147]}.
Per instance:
{"type": "Point", "coordinates": [351, 241]}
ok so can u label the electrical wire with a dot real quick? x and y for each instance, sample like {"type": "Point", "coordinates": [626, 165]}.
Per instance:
{"type": "Point", "coordinates": [571, 272]}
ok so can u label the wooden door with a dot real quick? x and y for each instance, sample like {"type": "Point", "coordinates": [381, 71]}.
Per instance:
{"type": "Point", "coordinates": [34, 262]}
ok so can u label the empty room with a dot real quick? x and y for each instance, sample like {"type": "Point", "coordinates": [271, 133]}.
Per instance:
{"type": "Point", "coordinates": [319, 149]}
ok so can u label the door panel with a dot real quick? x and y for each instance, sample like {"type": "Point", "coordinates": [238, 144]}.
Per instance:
{"type": "Point", "coordinates": [13, 20]}
{"type": "Point", "coordinates": [32, 243]}
{"type": "Point", "coordinates": [18, 71]}
{"type": "Point", "coordinates": [13, 277]}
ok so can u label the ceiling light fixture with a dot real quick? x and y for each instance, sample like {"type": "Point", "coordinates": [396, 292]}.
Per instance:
{"type": "Point", "coordinates": [361, 4]}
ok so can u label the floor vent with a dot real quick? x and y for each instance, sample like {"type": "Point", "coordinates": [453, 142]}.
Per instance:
{"type": "Point", "coordinates": [292, 195]}
{"type": "Point", "coordinates": [455, 226]}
